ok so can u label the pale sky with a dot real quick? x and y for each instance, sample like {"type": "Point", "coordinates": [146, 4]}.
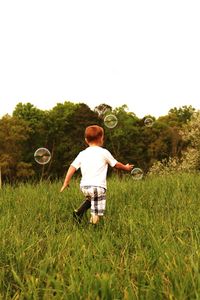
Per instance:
{"type": "Point", "coordinates": [143, 53]}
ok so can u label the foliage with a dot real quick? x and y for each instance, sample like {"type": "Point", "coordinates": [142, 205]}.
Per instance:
{"type": "Point", "coordinates": [24, 170]}
{"type": "Point", "coordinates": [190, 155]}
{"type": "Point", "coordinates": [191, 135]}
{"type": "Point", "coordinates": [61, 130]}
{"type": "Point", "coordinates": [14, 133]}
{"type": "Point", "coordinates": [181, 115]}
{"type": "Point", "coordinates": [68, 122]}
{"type": "Point", "coordinates": [172, 165]}
{"type": "Point", "coordinates": [191, 132]}
{"type": "Point", "coordinates": [102, 110]}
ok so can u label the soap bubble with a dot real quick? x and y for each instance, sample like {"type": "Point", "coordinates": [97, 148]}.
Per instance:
{"type": "Point", "coordinates": [110, 121]}
{"type": "Point", "coordinates": [42, 156]}
{"type": "Point", "coordinates": [148, 122]}
{"type": "Point", "coordinates": [137, 173]}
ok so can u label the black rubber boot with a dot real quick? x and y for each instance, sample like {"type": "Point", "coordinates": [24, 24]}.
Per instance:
{"type": "Point", "coordinates": [78, 213]}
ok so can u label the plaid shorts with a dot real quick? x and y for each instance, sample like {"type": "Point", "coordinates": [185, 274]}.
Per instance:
{"type": "Point", "coordinates": [97, 196]}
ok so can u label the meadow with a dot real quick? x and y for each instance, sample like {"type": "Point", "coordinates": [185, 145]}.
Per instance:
{"type": "Point", "coordinates": [147, 247]}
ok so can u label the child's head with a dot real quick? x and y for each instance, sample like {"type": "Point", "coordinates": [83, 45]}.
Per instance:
{"type": "Point", "coordinates": [94, 135]}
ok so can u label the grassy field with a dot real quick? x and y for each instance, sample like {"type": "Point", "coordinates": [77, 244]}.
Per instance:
{"type": "Point", "coordinates": [148, 246]}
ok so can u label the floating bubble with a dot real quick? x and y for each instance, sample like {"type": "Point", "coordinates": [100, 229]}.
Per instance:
{"type": "Point", "coordinates": [148, 122]}
{"type": "Point", "coordinates": [137, 173]}
{"type": "Point", "coordinates": [110, 121]}
{"type": "Point", "coordinates": [42, 156]}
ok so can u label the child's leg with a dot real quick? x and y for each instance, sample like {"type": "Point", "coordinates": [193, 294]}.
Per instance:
{"type": "Point", "coordinates": [98, 204]}
{"type": "Point", "coordinates": [78, 213]}
{"type": "Point", "coordinates": [94, 219]}
{"type": "Point", "coordinates": [83, 207]}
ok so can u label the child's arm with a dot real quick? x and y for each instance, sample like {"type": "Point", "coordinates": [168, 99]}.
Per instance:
{"type": "Point", "coordinates": [121, 166]}
{"type": "Point", "coordinates": [69, 174]}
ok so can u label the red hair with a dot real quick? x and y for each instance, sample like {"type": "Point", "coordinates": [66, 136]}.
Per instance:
{"type": "Point", "coordinates": [93, 133]}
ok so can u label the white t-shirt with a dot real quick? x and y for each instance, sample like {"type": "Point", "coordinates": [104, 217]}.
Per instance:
{"type": "Point", "coordinates": [94, 162]}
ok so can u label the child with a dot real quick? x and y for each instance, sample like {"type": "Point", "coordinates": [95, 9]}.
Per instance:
{"type": "Point", "coordinates": [93, 162]}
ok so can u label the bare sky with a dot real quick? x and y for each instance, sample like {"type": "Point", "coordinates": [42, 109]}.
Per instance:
{"type": "Point", "coordinates": [143, 53]}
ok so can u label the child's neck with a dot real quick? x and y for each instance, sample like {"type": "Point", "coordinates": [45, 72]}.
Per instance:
{"type": "Point", "coordinates": [93, 145]}
{"type": "Point", "coordinates": [98, 143]}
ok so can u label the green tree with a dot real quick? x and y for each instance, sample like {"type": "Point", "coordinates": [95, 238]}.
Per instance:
{"type": "Point", "coordinates": [175, 120]}
{"type": "Point", "coordinates": [102, 110]}
{"type": "Point", "coordinates": [180, 115]}
{"type": "Point", "coordinates": [191, 135]}
{"type": "Point", "coordinates": [184, 133]}
{"type": "Point", "coordinates": [59, 124]}
{"type": "Point", "coordinates": [14, 133]}
{"type": "Point", "coordinates": [124, 139]}
{"type": "Point", "coordinates": [69, 139]}
{"type": "Point", "coordinates": [38, 122]}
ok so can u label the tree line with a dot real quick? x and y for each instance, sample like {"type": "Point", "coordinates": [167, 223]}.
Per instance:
{"type": "Point", "coordinates": [61, 131]}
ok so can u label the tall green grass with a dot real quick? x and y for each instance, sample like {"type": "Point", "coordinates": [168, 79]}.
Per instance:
{"type": "Point", "coordinates": [147, 247]}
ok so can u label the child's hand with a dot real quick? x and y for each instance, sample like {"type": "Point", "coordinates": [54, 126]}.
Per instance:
{"type": "Point", "coordinates": [121, 166]}
{"type": "Point", "coordinates": [68, 176]}
{"type": "Point", "coordinates": [64, 187]}
{"type": "Point", "coordinates": [129, 167]}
